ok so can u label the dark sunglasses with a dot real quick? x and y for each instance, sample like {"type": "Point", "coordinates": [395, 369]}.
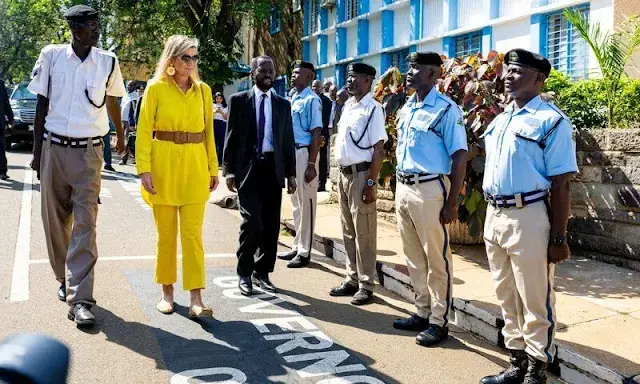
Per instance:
{"type": "Point", "coordinates": [186, 59]}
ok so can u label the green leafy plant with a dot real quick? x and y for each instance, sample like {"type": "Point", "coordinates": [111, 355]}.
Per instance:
{"type": "Point", "coordinates": [612, 51]}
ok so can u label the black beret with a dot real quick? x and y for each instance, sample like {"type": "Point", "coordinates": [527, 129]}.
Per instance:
{"type": "Point", "coordinates": [80, 13]}
{"type": "Point", "coordinates": [425, 58]}
{"type": "Point", "coordinates": [304, 64]}
{"type": "Point", "coordinates": [528, 59]}
{"type": "Point", "coordinates": [362, 68]}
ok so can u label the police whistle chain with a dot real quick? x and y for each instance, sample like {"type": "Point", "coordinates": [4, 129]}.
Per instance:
{"type": "Point", "coordinates": [364, 132]}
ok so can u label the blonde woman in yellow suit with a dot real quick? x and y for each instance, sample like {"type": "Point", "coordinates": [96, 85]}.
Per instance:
{"type": "Point", "coordinates": [178, 167]}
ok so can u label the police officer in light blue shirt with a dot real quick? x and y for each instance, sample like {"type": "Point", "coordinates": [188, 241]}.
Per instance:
{"type": "Point", "coordinates": [431, 154]}
{"type": "Point", "coordinates": [306, 111]}
{"type": "Point", "coordinates": [530, 156]}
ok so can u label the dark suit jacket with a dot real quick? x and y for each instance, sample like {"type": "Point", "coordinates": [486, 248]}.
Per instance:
{"type": "Point", "coordinates": [5, 107]}
{"type": "Point", "coordinates": [326, 114]}
{"type": "Point", "coordinates": [336, 117]}
{"type": "Point", "coordinates": [242, 136]}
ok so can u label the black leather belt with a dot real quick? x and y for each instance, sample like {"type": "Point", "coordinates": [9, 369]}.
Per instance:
{"type": "Point", "coordinates": [72, 142]}
{"type": "Point", "coordinates": [300, 146]}
{"type": "Point", "coordinates": [519, 200]}
{"type": "Point", "coordinates": [266, 155]}
{"type": "Point", "coordinates": [415, 178]}
{"type": "Point", "coordinates": [355, 168]}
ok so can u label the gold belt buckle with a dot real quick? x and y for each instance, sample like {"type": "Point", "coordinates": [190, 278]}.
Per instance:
{"type": "Point", "coordinates": [178, 138]}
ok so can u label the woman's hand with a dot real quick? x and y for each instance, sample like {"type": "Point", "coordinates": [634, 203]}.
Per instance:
{"type": "Point", "coordinates": [213, 184]}
{"type": "Point", "coordinates": [147, 182]}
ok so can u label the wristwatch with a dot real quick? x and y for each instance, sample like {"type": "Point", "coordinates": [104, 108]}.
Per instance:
{"type": "Point", "coordinates": [558, 239]}
{"type": "Point", "coordinates": [370, 183]}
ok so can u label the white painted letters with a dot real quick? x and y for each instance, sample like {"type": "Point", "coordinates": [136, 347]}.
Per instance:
{"type": "Point", "coordinates": [327, 365]}
{"type": "Point", "coordinates": [297, 340]}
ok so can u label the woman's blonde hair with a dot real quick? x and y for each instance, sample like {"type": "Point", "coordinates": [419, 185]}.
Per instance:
{"type": "Point", "coordinates": [176, 46]}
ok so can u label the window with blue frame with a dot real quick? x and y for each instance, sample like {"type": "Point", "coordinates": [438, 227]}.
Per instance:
{"type": "Point", "coordinates": [351, 9]}
{"type": "Point", "coordinates": [565, 49]}
{"type": "Point", "coordinates": [280, 86]}
{"type": "Point", "coordinates": [314, 10]}
{"type": "Point", "coordinates": [469, 44]}
{"type": "Point", "coordinates": [274, 20]}
{"type": "Point", "coordinates": [399, 60]}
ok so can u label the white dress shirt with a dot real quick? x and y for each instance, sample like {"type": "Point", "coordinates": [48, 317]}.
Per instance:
{"type": "Point", "coordinates": [218, 115]}
{"type": "Point", "coordinates": [267, 142]}
{"type": "Point", "coordinates": [125, 105]}
{"type": "Point", "coordinates": [70, 113]}
{"type": "Point", "coordinates": [333, 113]}
{"type": "Point", "coordinates": [352, 124]}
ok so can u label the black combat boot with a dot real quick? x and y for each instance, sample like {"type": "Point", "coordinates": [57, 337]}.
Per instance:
{"type": "Point", "coordinates": [512, 375]}
{"type": "Point", "coordinates": [536, 372]}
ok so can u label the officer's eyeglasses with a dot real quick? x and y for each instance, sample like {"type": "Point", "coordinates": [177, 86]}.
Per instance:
{"type": "Point", "coordinates": [187, 59]}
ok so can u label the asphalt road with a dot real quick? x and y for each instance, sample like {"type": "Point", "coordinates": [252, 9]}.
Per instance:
{"type": "Point", "coordinates": [300, 335]}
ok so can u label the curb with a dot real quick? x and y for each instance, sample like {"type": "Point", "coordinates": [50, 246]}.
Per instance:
{"type": "Point", "coordinates": [570, 366]}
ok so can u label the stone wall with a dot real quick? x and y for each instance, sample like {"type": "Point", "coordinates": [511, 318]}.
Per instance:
{"type": "Point", "coordinates": [605, 196]}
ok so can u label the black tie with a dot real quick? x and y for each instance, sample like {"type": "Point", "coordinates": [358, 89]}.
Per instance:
{"type": "Point", "coordinates": [261, 122]}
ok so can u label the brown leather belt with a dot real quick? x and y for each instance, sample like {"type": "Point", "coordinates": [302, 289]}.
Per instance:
{"type": "Point", "coordinates": [179, 137]}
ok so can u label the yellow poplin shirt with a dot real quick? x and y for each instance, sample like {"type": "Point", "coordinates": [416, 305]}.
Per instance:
{"type": "Point", "coordinates": [181, 172]}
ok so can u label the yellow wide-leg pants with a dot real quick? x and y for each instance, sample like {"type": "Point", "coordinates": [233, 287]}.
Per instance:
{"type": "Point", "coordinates": [191, 219]}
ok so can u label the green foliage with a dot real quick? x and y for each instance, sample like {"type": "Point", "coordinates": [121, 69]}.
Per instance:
{"type": "Point", "coordinates": [612, 51]}
{"type": "Point", "coordinates": [556, 82]}
{"type": "Point", "coordinates": [25, 27]}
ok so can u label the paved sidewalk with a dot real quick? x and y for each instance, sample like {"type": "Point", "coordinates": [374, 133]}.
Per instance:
{"type": "Point", "coordinates": [598, 304]}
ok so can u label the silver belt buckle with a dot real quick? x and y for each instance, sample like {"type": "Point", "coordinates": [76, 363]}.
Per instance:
{"type": "Point", "coordinates": [416, 179]}
{"type": "Point", "coordinates": [519, 200]}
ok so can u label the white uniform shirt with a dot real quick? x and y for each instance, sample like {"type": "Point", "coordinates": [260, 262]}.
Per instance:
{"type": "Point", "coordinates": [351, 126]}
{"type": "Point", "coordinates": [267, 142]}
{"type": "Point", "coordinates": [126, 104]}
{"type": "Point", "coordinates": [70, 113]}
{"type": "Point", "coordinates": [218, 115]}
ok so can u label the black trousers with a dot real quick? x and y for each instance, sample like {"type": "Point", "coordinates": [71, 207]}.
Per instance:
{"type": "Point", "coordinates": [323, 168]}
{"type": "Point", "coordinates": [259, 201]}
{"type": "Point", "coordinates": [3, 151]}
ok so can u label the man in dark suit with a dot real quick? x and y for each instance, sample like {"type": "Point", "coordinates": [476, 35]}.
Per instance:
{"type": "Point", "coordinates": [324, 153]}
{"type": "Point", "coordinates": [259, 154]}
{"type": "Point", "coordinates": [5, 110]}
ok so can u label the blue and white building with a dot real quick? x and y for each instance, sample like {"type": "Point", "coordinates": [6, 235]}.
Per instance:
{"type": "Point", "coordinates": [382, 33]}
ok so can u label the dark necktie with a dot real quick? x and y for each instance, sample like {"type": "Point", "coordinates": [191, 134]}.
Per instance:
{"type": "Point", "coordinates": [261, 123]}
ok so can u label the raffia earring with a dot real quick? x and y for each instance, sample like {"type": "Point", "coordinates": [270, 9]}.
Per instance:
{"type": "Point", "coordinates": [171, 70]}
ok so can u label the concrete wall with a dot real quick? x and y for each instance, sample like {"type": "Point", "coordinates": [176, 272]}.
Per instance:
{"type": "Point", "coordinates": [605, 195]}
{"type": "Point", "coordinates": [623, 9]}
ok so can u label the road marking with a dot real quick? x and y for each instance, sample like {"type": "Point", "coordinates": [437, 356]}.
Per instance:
{"type": "Point", "coordinates": [20, 277]}
{"type": "Point", "coordinates": [132, 186]}
{"type": "Point", "coordinates": [105, 192]}
{"type": "Point", "coordinates": [144, 257]}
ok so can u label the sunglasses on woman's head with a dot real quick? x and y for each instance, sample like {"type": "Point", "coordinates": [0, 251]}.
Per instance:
{"type": "Point", "coordinates": [186, 59]}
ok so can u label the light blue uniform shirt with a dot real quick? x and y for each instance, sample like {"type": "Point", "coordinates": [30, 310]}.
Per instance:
{"type": "Point", "coordinates": [306, 112]}
{"type": "Point", "coordinates": [515, 163]}
{"type": "Point", "coordinates": [429, 133]}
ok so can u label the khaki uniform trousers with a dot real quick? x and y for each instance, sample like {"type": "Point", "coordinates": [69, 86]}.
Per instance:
{"type": "Point", "coordinates": [359, 230]}
{"type": "Point", "coordinates": [69, 189]}
{"type": "Point", "coordinates": [191, 219]}
{"type": "Point", "coordinates": [516, 240]}
{"type": "Point", "coordinates": [425, 242]}
{"type": "Point", "coordinates": [304, 203]}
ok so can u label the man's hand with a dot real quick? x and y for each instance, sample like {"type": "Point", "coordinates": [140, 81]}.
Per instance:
{"type": "Point", "coordinates": [323, 142]}
{"type": "Point", "coordinates": [231, 184]}
{"type": "Point", "coordinates": [147, 182]}
{"type": "Point", "coordinates": [35, 164]}
{"type": "Point", "coordinates": [369, 195]}
{"type": "Point", "coordinates": [120, 145]}
{"type": "Point", "coordinates": [559, 253]}
{"type": "Point", "coordinates": [291, 185]}
{"type": "Point", "coordinates": [213, 183]}
{"type": "Point", "coordinates": [310, 173]}
{"type": "Point", "coordinates": [448, 213]}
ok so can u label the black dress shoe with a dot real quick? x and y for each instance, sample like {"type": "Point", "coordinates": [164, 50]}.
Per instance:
{"type": "Point", "coordinates": [512, 375]}
{"type": "Point", "coordinates": [288, 255]}
{"type": "Point", "coordinates": [263, 282]}
{"type": "Point", "coordinates": [344, 289]}
{"type": "Point", "coordinates": [81, 314]}
{"type": "Point", "coordinates": [299, 262]}
{"type": "Point", "coordinates": [432, 336]}
{"type": "Point", "coordinates": [414, 323]}
{"type": "Point", "coordinates": [109, 168]}
{"type": "Point", "coordinates": [363, 296]}
{"type": "Point", "coordinates": [245, 285]}
{"type": "Point", "coordinates": [4, 176]}
{"type": "Point", "coordinates": [62, 292]}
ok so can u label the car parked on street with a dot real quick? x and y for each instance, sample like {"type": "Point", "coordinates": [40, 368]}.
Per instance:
{"type": "Point", "coordinates": [23, 104]}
